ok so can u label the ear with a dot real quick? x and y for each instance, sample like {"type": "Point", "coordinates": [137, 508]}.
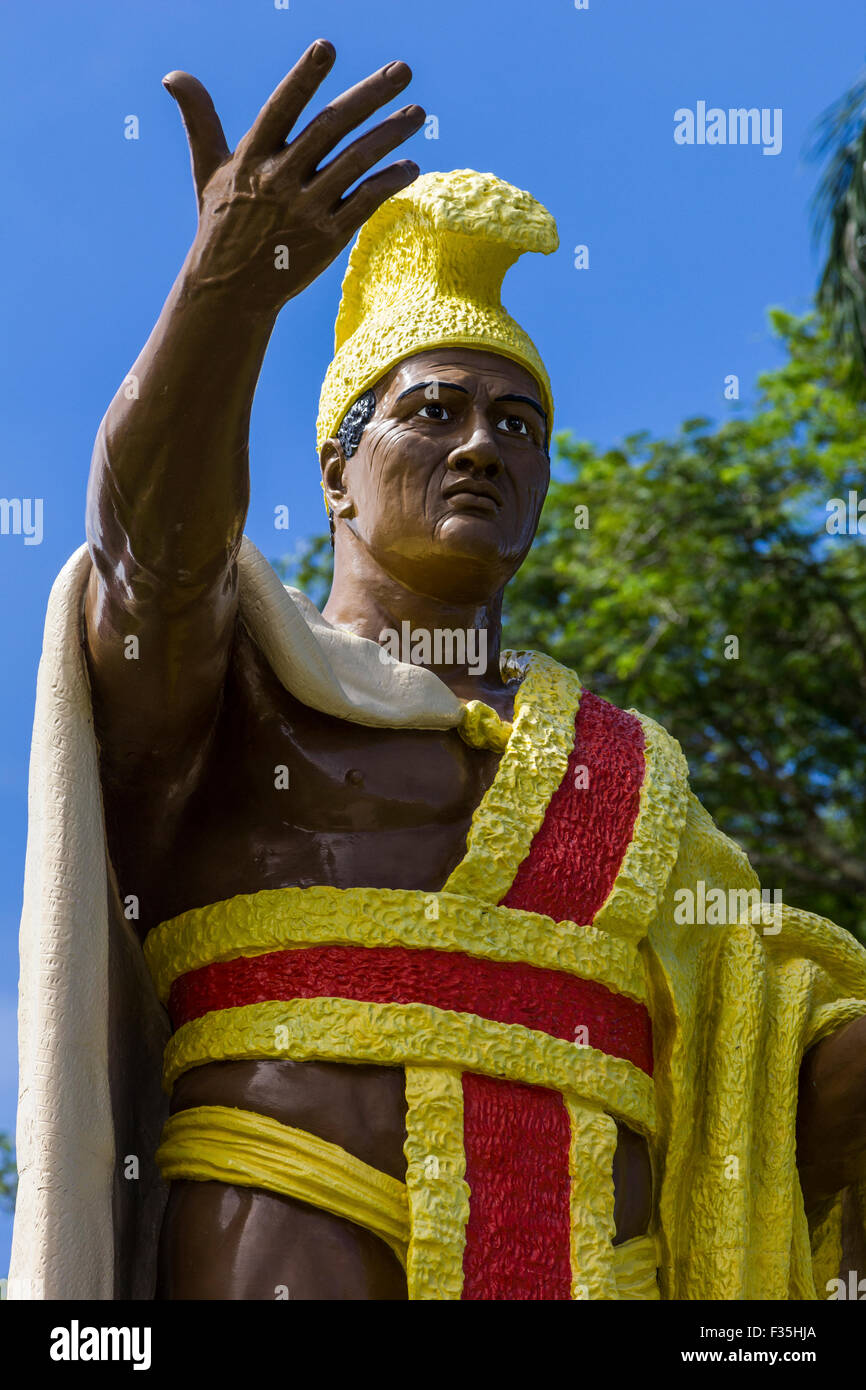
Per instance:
{"type": "Point", "coordinates": [333, 465]}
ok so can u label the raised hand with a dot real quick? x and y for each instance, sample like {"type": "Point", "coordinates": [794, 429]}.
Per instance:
{"type": "Point", "coordinates": [271, 219]}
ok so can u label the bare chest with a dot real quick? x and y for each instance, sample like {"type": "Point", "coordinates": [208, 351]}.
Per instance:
{"type": "Point", "coordinates": [291, 797]}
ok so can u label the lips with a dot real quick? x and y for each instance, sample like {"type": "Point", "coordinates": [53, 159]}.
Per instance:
{"type": "Point", "coordinates": [479, 494]}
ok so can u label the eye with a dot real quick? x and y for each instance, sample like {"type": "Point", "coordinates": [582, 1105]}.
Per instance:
{"type": "Point", "coordinates": [512, 424]}
{"type": "Point", "coordinates": [436, 411]}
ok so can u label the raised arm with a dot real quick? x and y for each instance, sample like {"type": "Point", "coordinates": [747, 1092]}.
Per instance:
{"type": "Point", "coordinates": [169, 481]}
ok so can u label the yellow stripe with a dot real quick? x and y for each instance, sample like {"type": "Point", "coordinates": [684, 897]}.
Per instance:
{"type": "Point", "coordinates": [274, 919]}
{"type": "Point", "coordinates": [214, 1143]}
{"type": "Point", "coordinates": [436, 1045]}
{"type": "Point", "coordinates": [217, 1143]}
{"type": "Point", "coordinates": [635, 1264]}
{"type": "Point", "coordinates": [435, 1181]}
{"type": "Point", "coordinates": [530, 771]}
{"type": "Point", "coordinates": [481, 727]}
{"type": "Point", "coordinates": [827, 1018]}
{"type": "Point", "coordinates": [833, 948]}
{"type": "Point", "coordinates": [633, 900]}
{"type": "Point", "coordinates": [590, 1168]}
{"type": "Point", "coordinates": [345, 1030]}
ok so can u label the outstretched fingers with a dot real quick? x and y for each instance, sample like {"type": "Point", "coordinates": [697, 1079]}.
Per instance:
{"type": "Point", "coordinates": [370, 195]}
{"type": "Point", "coordinates": [208, 146]}
{"type": "Point", "coordinates": [348, 166]}
{"type": "Point", "coordinates": [286, 102]}
{"type": "Point", "coordinates": [344, 113]}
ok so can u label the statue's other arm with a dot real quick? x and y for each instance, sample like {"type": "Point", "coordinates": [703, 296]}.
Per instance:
{"type": "Point", "coordinates": [169, 481]}
{"type": "Point", "coordinates": [831, 1114]}
{"type": "Point", "coordinates": [831, 1110]}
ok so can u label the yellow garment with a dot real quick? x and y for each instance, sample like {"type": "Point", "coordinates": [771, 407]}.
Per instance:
{"type": "Point", "coordinates": [219, 1143]}
{"type": "Point", "coordinates": [741, 1004]}
{"type": "Point", "coordinates": [734, 1007]}
{"type": "Point", "coordinates": [215, 1143]}
{"type": "Point", "coordinates": [481, 727]}
{"type": "Point", "coordinates": [253, 924]}
{"type": "Point", "coordinates": [635, 1264]}
{"type": "Point", "coordinates": [436, 1045]}
{"type": "Point", "coordinates": [426, 271]}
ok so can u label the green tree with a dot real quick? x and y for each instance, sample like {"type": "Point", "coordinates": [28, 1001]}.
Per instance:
{"type": "Point", "coordinates": [706, 591]}
{"type": "Point", "coordinates": [839, 214]}
{"type": "Point", "coordinates": [310, 568]}
{"type": "Point", "coordinates": [8, 1173]}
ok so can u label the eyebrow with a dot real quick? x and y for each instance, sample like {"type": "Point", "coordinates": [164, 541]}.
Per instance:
{"type": "Point", "coordinates": [443, 385]}
{"type": "Point", "coordinates": [452, 386]}
{"type": "Point", "coordinates": [527, 400]}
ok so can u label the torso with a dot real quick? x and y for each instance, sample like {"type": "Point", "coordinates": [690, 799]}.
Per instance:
{"type": "Point", "coordinates": [380, 808]}
{"type": "Point", "coordinates": [363, 808]}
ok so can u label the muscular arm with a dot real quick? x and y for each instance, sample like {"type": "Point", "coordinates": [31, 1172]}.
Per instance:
{"type": "Point", "coordinates": [169, 481]}
{"type": "Point", "coordinates": [831, 1114]}
{"type": "Point", "coordinates": [166, 502]}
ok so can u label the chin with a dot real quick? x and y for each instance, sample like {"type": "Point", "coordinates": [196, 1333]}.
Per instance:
{"type": "Point", "coordinates": [479, 540]}
{"type": "Point", "coordinates": [462, 563]}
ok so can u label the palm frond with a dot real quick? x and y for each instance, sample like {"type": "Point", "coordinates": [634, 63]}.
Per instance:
{"type": "Point", "coordinates": [838, 140]}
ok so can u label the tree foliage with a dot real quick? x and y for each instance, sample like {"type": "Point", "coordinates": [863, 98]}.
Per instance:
{"type": "Point", "coordinates": [839, 213]}
{"type": "Point", "coordinates": [720, 533]}
{"type": "Point", "coordinates": [8, 1173]}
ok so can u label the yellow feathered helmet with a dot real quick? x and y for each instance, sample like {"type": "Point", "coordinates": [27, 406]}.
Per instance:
{"type": "Point", "coordinates": [426, 271]}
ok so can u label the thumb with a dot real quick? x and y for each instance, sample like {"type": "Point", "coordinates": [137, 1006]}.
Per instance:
{"type": "Point", "coordinates": [207, 142]}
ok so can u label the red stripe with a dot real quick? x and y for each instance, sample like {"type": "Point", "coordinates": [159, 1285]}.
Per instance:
{"type": "Point", "coordinates": [517, 1137]}
{"type": "Point", "coordinates": [577, 852]}
{"type": "Point", "coordinates": [505, 991]}
{"type": "Point", "coordinates": [517, 1237]}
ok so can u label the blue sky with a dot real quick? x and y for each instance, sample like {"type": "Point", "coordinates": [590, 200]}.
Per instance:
{"type": "Point", "coordinates": [688, 244]}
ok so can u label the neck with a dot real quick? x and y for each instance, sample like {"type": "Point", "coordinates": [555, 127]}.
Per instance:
{"type": "Point", "coordinates": [458, 641]}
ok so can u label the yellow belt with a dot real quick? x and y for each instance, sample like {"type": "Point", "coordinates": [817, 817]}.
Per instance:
{"type": "Point", "coordinates": [216, 1143]}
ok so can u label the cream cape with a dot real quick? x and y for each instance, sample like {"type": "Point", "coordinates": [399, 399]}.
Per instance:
{"type": "Point", "coordinates": [734, 1008]}
{"type": "Point", "coordinates": [91, 1031]}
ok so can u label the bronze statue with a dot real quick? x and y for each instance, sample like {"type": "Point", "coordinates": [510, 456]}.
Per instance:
{"type": "Point", "coordinates": [219, 784]}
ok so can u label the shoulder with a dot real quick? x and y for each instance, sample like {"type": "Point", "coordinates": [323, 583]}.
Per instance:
{"type": "Point", "coordinates": [612, 829]}
{"type": "Point", "coordinates": [605, 731]}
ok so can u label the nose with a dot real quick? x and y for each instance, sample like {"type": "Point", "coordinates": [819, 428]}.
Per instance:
{"type": "Point", "coordinates": [478, 455]}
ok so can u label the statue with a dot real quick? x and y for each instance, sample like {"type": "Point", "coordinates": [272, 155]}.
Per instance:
{"type": "Point", "coordinates": [357, 954]}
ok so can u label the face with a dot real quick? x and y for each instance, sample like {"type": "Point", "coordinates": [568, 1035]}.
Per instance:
{"type": "Point", "coordinates": [447, 484]}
